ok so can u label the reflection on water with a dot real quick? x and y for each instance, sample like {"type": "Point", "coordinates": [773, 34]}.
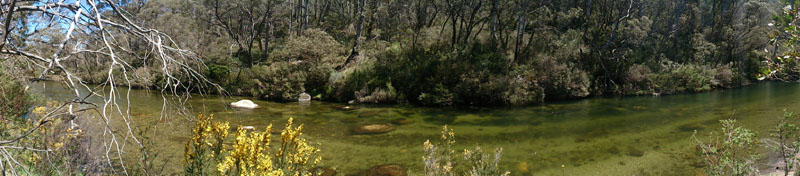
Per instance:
{"type": "Point", "coordinates": [597, 136]}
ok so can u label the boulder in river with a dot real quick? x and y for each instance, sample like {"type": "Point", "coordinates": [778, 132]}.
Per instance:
{"type": "Point", "coordinates": [247, 104]}
{"type": "Point", "coordinates": [323, 171]}
{"type": "Point", "coordinates": [373, 129]}
{"type": "Point", "coordinates": [304, 97]}
{"type": "Point", "coordinates": [402, 121]}
{"type": "Point", "coordinates": [387, 170]}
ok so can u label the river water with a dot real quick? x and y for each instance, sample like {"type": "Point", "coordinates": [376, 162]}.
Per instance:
{"type": "Point", "coordinates": [640, 135]}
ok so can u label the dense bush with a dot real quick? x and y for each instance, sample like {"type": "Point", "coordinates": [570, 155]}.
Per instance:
{"type": "Point", "coordinates": [730, 151]}
{"type": "Point", "coordinates": [281, 81]}
{"type": "Point", "coordinates": [637, 80]}
{"type": "Point", "coordinates": [674, 77]}
{"type": "Point", "coordinates": [44, 137]}
{"type": "Point", "coordinates": [218, 73]}
{"type": "Point", "coordinates": [13, 98]}
{"type": "Point", "coordinates": [440, 76]}
{"type": "Point", "coordinates": [561, 80]}
{"type": "Point", "coordinates": [524, 88]}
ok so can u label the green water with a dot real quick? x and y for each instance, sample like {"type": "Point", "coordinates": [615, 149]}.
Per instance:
{"type": "Point", "coordinates": [643, 135]}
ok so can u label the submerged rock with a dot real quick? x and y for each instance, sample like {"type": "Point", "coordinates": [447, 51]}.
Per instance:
{"type": "Point", "coordinates": [632, 151]}
{"type": "Point", "coordinates": [613, 150]}
{"type": "Point", "coordinates": [373, 129]}
{"type": "Point", "coordinates": [304, 97]}
{"type": "Point", "coordinates": [247, 104]}
{"type": "Point", "coordinates": [275, 131]}
{"type": "Point", "coordinates": [387, 170]}
{"type": "Point", "coordinates": [402, 121]}
{"type": "Point", "coordinates": [351, 120]}
{"type": "Point", "coordinates": [690, 127]}
{"type": "Point", "coordinates": [323, 171]}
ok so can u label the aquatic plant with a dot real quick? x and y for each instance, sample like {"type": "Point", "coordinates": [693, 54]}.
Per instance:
{"type": "Point", "coordinates": [440, 161]}
{"type": "Point", "coordinates": [252, 153]}
{"type": "Point", "coordinates": [731, 151]}
{"type": "Point", "coordinates": [787, 136]}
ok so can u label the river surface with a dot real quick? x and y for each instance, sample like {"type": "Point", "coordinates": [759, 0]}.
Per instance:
{"type": "Point", "coordinates": [640, 135]}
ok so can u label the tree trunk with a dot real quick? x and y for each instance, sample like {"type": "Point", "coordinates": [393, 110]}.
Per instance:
{"type": "Point", "coordinates": [305, 13]}
{"type": "Point", "coordinates": [493, 24]}
{"type": "Point", "coordinates": [521, 22]}
{"type": "Point", "coordinates": [354, 52]}
{"type": "Point", "coordinates": [267, 34]}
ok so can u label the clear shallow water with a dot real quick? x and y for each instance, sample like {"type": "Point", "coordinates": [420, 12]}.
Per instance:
{"type": "Point", "coordinates": [642, 135]}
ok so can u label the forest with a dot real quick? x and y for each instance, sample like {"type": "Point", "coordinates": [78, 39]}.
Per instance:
{"type": "Point", "coordinates": [450, 52]}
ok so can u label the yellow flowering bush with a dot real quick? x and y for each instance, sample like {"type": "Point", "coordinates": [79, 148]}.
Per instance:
{"type": "Point", "coordinates": [203, 149]}
{"type": "Point", "coordinates": [45, 131]}
{"type": "Point", "coordinates": [39, 110]}
{"type": "Point", "coordinates": [252, 153]}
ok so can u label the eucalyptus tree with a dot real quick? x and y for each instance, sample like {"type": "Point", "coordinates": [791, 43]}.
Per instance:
{"type": "Point", "coordinates": [245, 23]}
{"type": "Point", "coordinates": [47, 35]}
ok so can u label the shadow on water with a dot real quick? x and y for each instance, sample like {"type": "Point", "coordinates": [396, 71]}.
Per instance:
{"type": "Point", "coordinates": [642, 135]}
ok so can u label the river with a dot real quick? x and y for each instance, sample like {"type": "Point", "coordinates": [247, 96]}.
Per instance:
{"type": "Point", "coordinates": [632, 135]}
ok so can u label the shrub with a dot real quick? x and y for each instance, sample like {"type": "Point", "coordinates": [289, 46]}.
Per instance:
{"type": "Point", "coordinates": [252, 153]}
{"type": "Point", "coordinates": [675, 77]}
{"type": "Point", "coordinates": [379, 95]}
{"type": "Point", "coordinates": [637, 81]}
{"type": "Point", "coordinates": [638, 74]}
{"type": "Point", "coordinates": [314, 46]}
{"type": "Point", "coordinates": [440, 96]}
{"type": "Point", "coordinates": [787, 135]}
{"type": "Point", "coordinates": [561, 80]}
{"type": "Point", "coordinates": [482, 88]}
{"type": "Point", "coordinates": [303, 63]}
{"type": "Point", "coordinates": [14, 101]}
{"type": "Point", "coordinates": [724, 76]}
{"type": "Point", "coordinates": [484, 164]}
{"type": "Point", "coordinates": [142, 78]}
{"type": "Point", "coordinates": [280, 81]}
{"type": "Point", "coordinates": [440, 162]}
{"type": "Point", "coordinates": [205, 147]}
{"type": "Point", "coordinates": [523, 88]}
{"type": "Point", "coordinates": [219, 73]}
{"type": "Point", "coordinates": [48, 143]}
{"type": "Point", "coordinates": [343, 85]}
{"type": "Point", "coordinates": [731, 151]}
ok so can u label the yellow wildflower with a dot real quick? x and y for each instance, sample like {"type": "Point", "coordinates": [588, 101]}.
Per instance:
{"type": "Point", "coordinates": [39, 110]}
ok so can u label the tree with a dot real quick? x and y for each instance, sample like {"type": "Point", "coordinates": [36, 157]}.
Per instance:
{"type": "Point", "coordinates": [54, 36]}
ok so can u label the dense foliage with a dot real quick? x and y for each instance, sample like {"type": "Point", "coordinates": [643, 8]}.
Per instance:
{"type": "Point", "coordinates": [465, 52]}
